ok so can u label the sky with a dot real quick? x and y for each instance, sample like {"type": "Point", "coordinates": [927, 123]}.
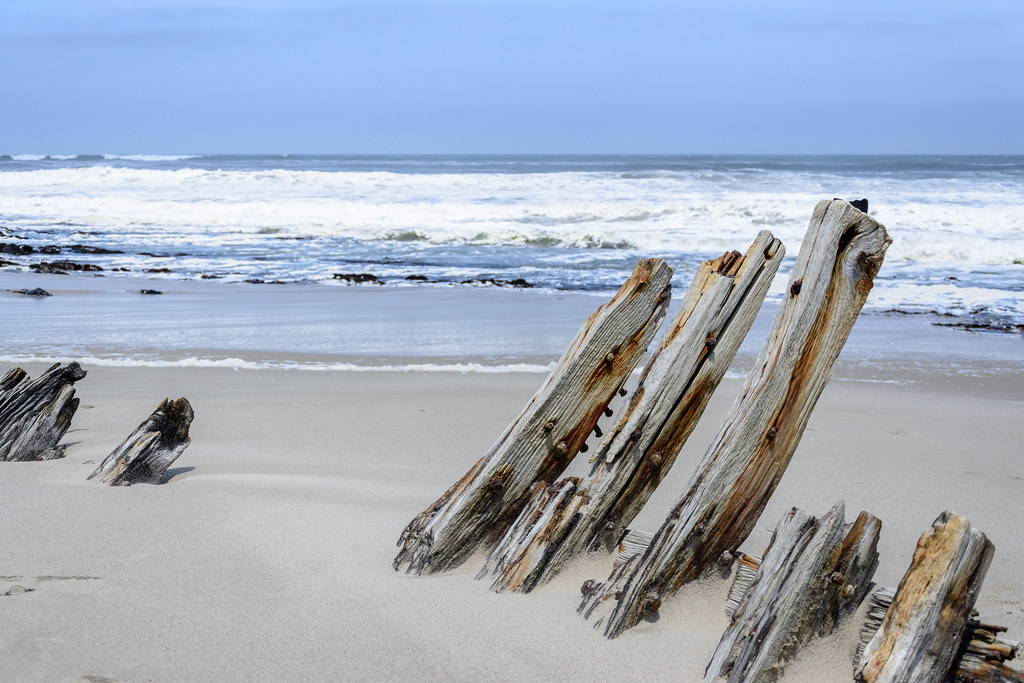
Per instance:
{"type": "Point", "coordinates": [503, 76]}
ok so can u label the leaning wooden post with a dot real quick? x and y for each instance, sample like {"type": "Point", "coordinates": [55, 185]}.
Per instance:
{"type": "Point", "coordinates": [923, 629]}
{"type": "Point", "coordinates": [714, 317]}
{"type": "Point", "coordinates": [538, 445]}
{"type": "Point", "coordinates": [35, 414]}
{"type": "Point", "coordinates": [148, 451]}
{"type": "Point", "coordinates": [809, 577]}
{"type": "Point", "coordinates": [839, 258]}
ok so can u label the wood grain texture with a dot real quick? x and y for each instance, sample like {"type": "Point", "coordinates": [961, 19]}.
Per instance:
{"type": "Point", "coordinates": [148, 451]}
{"type": "Point", "coordinates": [834, 272]}
{"type": "Point", "coordinates": [714, 317]}
{"type": "Point", "coordinates": [35, 414]}
{"type": "Point", "coordinates": [538, 445]}
{"type": "Point", "coordinates": [814, 573]}
{"type": "Point", "coordinates": [922, 632]}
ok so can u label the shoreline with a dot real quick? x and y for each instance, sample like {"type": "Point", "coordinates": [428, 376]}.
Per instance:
{"type": "Point", "coordinates": [282, 515]}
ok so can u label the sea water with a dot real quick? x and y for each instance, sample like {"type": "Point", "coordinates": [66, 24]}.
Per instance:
{"type": "Point", "coordinates": [562, 224]}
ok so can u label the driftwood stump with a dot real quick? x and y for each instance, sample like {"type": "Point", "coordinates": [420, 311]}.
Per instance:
{"type": "Point", "coordinates": [923, 630]}
{"type": "Point", "coordinates": [148, 451]}
{"type": "Point", "coordinates": [714, 317]}
{"type": "Point", "coordinates": [35, 414]}
{"type": "Point", "coordinates": [814, 572]}
{"type": "Point", "coordinates": [983, 650]}
{"type": "Point", "coordinates": [538, 445]}
{"type": "Point", "coordinates": [834, 272]}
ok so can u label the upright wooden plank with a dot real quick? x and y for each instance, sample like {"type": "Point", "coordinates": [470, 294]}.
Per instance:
{"type": "Point", "coordinates": [813, 574]}
{"type": "Point", "coordinates": [834, 272]}
{"type": "Point", "coordinates": [35, 414]}
{"type": "Point", "coordinates": [148, 451]}
{"type": "Point", "coordinates": [538, 445]}
{"type": "Point", "coordinates": [713, 318]}
{"type": "Point", "coordinates": [923, 629]}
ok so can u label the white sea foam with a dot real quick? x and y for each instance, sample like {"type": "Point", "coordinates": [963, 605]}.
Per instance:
{"type": "Point", "coordinates": [240, 364]}
{"type": "Point", "coordinates": [572, 229]}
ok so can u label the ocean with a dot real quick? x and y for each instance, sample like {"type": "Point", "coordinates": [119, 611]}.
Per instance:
{"type": "Point", "coordinates": [552, 224]}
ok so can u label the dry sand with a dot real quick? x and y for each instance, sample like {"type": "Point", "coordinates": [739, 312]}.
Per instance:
{"type": "Point", "coordinates": [267, 555]}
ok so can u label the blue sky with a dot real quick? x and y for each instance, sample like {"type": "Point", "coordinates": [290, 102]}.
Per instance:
{"type": "Point", "coordinates": [559, 76]}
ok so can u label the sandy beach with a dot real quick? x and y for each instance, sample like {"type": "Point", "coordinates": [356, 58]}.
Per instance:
{"type": "Point", "coordinates": [267, 555]}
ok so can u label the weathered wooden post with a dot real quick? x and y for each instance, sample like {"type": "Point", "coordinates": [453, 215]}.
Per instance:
{"type": "Point", "coordinates": [814, 572]}
{"type": "Point", "coordinates": [923, 631]}
{"type": "Point", "coordinates": [714, 317]}
{"type": "Point", "coordinates": [148, 451]}
{"type": "Point", "coordinates": [538, 445]}
{"type": "Point", "coordinates": [35, 414]}
{"type": "Point", "coordinates": [834, 272]}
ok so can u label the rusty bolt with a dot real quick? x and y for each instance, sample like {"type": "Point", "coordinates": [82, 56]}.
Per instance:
{"type": "Point", "coordinates": [584, 448]}
{"type": "Point", "coordinates": [561, 448]}
{"type": "Point", "coordinates": [725, 559]}
{"type": "Point", "coordinates": [710, 342]}
{"type": "Point", "coordinates": [622, 391]}
{"type": "Point", "coordinates": [549, 425]}
{"type": "Point", "coordinates": [837, 578]}
{"type": "Point", "coordinates": [597, 431]}
{"type": "Point", "coordinates": [635, 434]}
{"type": "Point", "coordinates": [495, 482]}
{"type": "Point", "coordinates": [551, 490]}
{"type": "Point", "coordinates": [610, 357]}
{"type": "Point", "coordinates": [656, 459]}
{"type": "Point", "coordinates": [700, 528]}
{"type": "Point", "coordinates": [794, 289]}
{"type": "Point", "coordinates": [608, 412]}
{"type": "Point", "coordinates": [609, 527]}
{"type": "Point", "coordinates": [772, 433]}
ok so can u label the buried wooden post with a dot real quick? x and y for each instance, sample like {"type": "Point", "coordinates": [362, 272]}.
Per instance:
{"type": "Point", "coordinates": [809, 578]}
{"type": "Point", "coordinates": [835, 269]}
{"type": "Point", "coordinates": [35, 414]}
{"type": "Point", "coordinates": [924, 627]}
{"type": "Point", "coordinates": [714, 317]}
{"type": "Point", "coordinates": [148, 451]}
{"type": "Point", "coordinates": [556, 422]}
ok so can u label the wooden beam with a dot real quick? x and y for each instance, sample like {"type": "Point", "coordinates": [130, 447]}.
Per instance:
{"type": "Point", "coordinates": [834, 272]}
{"type": "Point", "coordinates": [811, 576]}
{"type": "Point", "coordinates": [148, 451]}
{"type": "Point", "coordinates": [924, 627]}
{"type": "Point", "coordinates": [538, 445]}
{"type": "Point", "coordinates": [693, 355]}
{"type": "Point", "coordinates": [35, 414]}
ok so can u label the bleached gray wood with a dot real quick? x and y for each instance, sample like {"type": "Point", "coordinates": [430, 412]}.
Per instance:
{"type": "Point", "coordinates": [834, 272]}
{"type": "Point", "coordinates": [538, 445]}
{"type": "Point", "coordinates": [814, 573]}
{"type": "Point", "coordinates": [984, 649]}
{"type": "Point", "coordinates": [777, 614]}
{"type": "Point", "coordinates": [923, 629]}
{"type": "Point", "coordinates": [35, 414]}
{"type": "Point", "coordinates": [693, 355]}
{"type": "Point", "coordinates": [148, 451]}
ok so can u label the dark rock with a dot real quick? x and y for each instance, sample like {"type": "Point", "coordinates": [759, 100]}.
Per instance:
{"type": "Point", "coordinates": [417, 278]}
{"type": "Point", "coordinates": [494, 282]}
{"type": "Point", "coordinates": [255, 281]}
{"type": "Point", "coordinates": [16, 249]}
{"type": "Point", "coordinates": [207, 276]}
{"type": "Point", "coordinates": [49, 249]}
{"type": "Point", "coordinates": [859, 204]}
{"type": "Point", "coordinates": [86, 249]}
{"type": "Point", "coordinates": [64, 266]}
{"type": "Point", "coordinates": [156, 270]}
{"type": "Point", "coordinates": [358, 278]}
{"type": "Point", "coordinates": [6, 263]}
{"type": "Point", "coordinates": [46, 268]}
{"type": "Point", "coordinates": [30, 292]}
{"type": "Point", "coordinates": [150, 291]}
